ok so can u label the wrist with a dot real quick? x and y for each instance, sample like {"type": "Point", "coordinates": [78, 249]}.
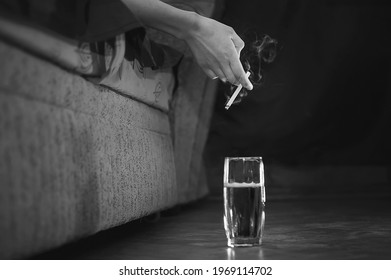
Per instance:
{"type": "Point", "coordinates": [189, 26]}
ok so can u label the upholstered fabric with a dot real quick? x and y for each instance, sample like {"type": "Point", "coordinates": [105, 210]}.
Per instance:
{"type": "Point", "coordinates": [75, 158]}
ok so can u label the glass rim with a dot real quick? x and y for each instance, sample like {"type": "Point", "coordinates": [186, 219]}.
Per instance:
{"type": "Point", "coordinates": [247, 158]}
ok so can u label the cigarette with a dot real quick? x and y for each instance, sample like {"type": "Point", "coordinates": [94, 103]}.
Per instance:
{"type": "Point", "coordinates": [235, 94]}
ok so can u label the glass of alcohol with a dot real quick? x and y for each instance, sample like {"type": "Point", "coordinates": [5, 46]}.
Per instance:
{"type": "Point", "coordinates": [244, 201]}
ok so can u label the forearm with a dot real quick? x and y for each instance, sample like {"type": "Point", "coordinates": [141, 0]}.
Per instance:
{"type": "Point", "coordinates": [161, 16]}
{"type": "Point", "coordinates": [215, 46]}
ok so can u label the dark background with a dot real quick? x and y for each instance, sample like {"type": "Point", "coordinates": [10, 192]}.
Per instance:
{"type": "Point", "coordinates": [325, 100]}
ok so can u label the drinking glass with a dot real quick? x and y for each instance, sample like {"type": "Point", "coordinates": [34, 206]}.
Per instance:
{"type": "Point", "coordinates": [244, 201]}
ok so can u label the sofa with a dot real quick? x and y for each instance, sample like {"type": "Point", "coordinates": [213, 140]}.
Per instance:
{"type": "Point", "coordinates": [83, 151]}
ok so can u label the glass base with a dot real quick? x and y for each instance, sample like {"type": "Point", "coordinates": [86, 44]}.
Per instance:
{"type": "Point", "coordinates": [244, 242]}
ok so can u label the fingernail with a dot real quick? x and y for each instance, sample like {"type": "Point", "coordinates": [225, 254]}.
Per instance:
{"type": "Point", "coordinates": [224, 80]}
{"type": "Point", "coordinates": [249, 86]}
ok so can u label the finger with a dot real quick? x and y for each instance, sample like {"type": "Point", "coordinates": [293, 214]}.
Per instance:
{"type": "Point", "coordinates": [217, 73]}
{"type": "Point", "coordinates": [225, 65]}
{"type": "Point", "coordinates": [238, 72]}
{"type": "Point", "coordinates": [230, 77]}
{"type": "Point", "coordinates": [221, 75]}
{"type": "Point", "coordinates": [233, 68]}
{"type": "Point", "coordinates": [211, 74]}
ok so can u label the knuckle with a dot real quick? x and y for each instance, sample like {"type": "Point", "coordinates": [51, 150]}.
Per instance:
{"type": "Point", "coordinates": [230, 30]}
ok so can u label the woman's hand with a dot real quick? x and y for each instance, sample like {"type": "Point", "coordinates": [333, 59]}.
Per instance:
{"type": "Point", "coordinates": [217, 47]}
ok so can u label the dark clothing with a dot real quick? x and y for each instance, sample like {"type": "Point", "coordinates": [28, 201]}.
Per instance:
{"type": "Point", "coordinates": [94, 21]}
{"type": "Point", "coordinates": [87, 20]}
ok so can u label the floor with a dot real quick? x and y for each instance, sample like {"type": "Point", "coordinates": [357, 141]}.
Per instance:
{"type": "Point", "coordinates": [300, 229]}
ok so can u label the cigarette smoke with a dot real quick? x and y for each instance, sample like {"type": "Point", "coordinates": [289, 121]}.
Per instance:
{"type": "Point", "coordinates": [255, 57]}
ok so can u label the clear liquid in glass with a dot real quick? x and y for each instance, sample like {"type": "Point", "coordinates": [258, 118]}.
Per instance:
{"type": "Point", "coordinates": [244, 214]}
